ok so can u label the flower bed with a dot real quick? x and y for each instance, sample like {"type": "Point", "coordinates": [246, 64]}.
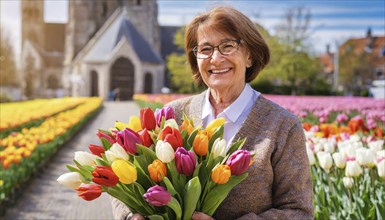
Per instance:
{"type": "Point", "coordinates": [346, 150]}
{"type": "Point", "coordinates": [23, 153]}
{"type": "Point", "coordinates": [18, 115]}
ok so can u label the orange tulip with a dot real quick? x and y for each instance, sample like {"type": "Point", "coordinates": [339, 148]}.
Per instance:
{"type": "Point", "coordinates": [221, 174]}
{"type": "Point", "coordinates": [157, 170]}
{"type": "Point", "coordinates": [201, 143]}
{"type": "Point", "coordinates": [187, 125]}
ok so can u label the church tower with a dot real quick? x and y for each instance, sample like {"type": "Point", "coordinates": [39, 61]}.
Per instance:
{"type": "Point", "coordinates": [84, 19]}
{"type": "Point", "coordinates": [32, 27]}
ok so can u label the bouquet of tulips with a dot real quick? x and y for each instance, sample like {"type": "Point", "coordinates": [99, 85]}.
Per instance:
{"type": "Point", "coordinates": [159, 169]}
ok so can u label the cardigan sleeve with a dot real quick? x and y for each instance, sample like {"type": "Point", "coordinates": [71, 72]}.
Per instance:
{"type": "Point", "coordinates": [292, 186]}
{"type": "Point", "coordinates": [119, 209]}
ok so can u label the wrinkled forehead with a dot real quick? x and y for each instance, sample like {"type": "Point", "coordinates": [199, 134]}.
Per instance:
{"type": "Point", "coordinates": [210, 32]}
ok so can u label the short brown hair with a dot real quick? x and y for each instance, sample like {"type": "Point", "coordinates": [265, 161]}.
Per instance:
{"type": "Point", "coordinates": [233, 22]}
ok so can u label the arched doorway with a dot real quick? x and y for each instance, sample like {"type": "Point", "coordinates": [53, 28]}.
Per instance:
{"type": "Point", "coordinates": [148, 83]}
{"type": "Point", "coordinates": [122, 77]}
{"type": "Point", "coordinates": [94, 83]}
{"type": "Point", "coordinates": [52, 82]}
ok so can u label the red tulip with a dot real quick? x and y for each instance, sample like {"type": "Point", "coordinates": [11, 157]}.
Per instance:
{"type": "Point", "coordinates": [145, 137]}
{"type": "Point", "coordinates": [96, 150]}
{"type": "Point", "coordinates": [147, 118]}
{"type": "Point", "coordinates": [89, 191]}
{"type": "Point", "coordinates": [105, 135]}
{"type": "Point", "coordinates": [172, 136]}
{"type": "Point", "coordinates": [105, 176]}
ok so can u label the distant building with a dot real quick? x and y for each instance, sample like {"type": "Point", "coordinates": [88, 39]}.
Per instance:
{"type": "Point", "coordinates": [360, 61]}
{"type": "Point", "coordinates": [106, 44]}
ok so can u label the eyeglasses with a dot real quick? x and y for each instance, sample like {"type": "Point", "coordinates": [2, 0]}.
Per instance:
{"type": "Point", "coordinates": [225, 48]}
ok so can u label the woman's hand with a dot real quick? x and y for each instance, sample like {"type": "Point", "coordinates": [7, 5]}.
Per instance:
{"type": "Point", "coordinates": [135, 216]}
{"type": "Point", "coordinates": [201, 216]}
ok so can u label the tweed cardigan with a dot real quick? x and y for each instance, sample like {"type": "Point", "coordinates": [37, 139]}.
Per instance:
{"type": "Point", "coordinates": [279, 184]}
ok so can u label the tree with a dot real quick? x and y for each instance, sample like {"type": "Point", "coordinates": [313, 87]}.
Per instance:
{"type": "Point", "coordinates": [291, 63]}
{"type": "Point", "coordinates": [8, 73]}
{"type": "Point", "coordinates": [181, 76]}
{"type": "Point", "coordinates": [356, 70]}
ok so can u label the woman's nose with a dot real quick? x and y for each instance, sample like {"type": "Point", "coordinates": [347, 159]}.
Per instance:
{"type": "Point", "coordinates": [217, 56]}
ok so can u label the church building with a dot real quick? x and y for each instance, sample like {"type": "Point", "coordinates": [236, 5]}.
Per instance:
{"type": "Point", "coordinates": [107, 45]}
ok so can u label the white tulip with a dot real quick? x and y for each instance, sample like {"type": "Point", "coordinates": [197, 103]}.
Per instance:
{"type": "Point", "coordinates": [353, 169]}
{"type": "Point", "coordinates": [381, 168]}
{"type": "Point", "coordinates": [172, 123]}
{"type": "Point", "coordinates": [310, 155]}
{"type": "Point", "coordinates": [365, 157]}
{"type": "Point", "coordinates": [219, 148]}
{"type": "Point", "coordinates": [164, 151]}
{"type": "Point", "coordinates": [354, 138]}
{"type": "Point", "coordinates": [376, 145]}
{"type": "Point", "coordinates": [325, 160]}
{"type": "Point", "coordinates": [85, 158]}
{"type": "Point", "coordinates": [329, 146]}
{"type": "Point", "coordinates": [70, 180]}
{"type": "Point", "coordinates": [339, 160]}
{"type": "Point", "coordinates": [348, 182]}
{"type": "Point", "coordinates": [116, 152]}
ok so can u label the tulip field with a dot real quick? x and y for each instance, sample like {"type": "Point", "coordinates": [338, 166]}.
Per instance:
{"type": "Point", "coordinates": [344, 141]}
{"type": "Point", "coordinates": [32, 131]}
{"type": "Point", "coordinates": [346, 151]}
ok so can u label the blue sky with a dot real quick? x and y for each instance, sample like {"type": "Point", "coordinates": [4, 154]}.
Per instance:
{"type": "Point", "coordinates": [332, 21]}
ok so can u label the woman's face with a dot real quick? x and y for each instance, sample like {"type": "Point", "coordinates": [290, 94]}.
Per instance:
{"type": "Point", "coordinates": [222, 72]}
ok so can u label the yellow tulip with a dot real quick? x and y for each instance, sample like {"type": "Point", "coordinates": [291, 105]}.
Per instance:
{"type": "Point", "coordinates": [135, 123]}
{"type": "Point", "coordinates": [221, 174]}
{"type": "Point", "coordinates": [125, 171]}
{"type": "Point", "coordinates": [201, 143]}
{"type": "Point", "coordinates": [120, 125]}
{"type": "Point", "coordinates": [210, 129]}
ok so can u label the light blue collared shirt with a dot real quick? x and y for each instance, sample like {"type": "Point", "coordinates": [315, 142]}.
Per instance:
{"type": "Point", "coordinates": [235, 114]}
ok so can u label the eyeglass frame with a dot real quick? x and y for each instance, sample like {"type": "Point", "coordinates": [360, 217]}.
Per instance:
{"type": "Point", "coordinates": [195, 49]}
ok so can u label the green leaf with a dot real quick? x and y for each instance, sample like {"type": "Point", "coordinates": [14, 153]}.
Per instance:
{"type": "Point", "coordinates": [192, 193]}
{"type": "Point", "coordinates": [216, 196]}
{"type": "Point", "coordinates": [71, 168]}
{"type": "Point", "coordinates": [155, 217]}
{"type": "Point", "coordinates": [191, 138]}
{"type": "Point", "coordinates": [236, 146]}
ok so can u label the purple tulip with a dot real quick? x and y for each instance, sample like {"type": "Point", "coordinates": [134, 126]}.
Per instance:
{"type": "Point", "coordinates": [166, 112]}
{"type": "Point", "coordinates": [128, 139]}
{"type": "Point", "coordinates": [185, 161]}
{"type": "Point", "coordinates": [239, 161]}
{"type": "Point", "coordinates": [157, 196]}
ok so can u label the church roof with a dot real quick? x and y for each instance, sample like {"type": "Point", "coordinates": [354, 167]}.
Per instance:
{"type": "Point", "coordinates": [118, 29]}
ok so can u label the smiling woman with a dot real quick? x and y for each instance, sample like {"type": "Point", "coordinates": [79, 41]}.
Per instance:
{"type": "Point", "coordinates": [225, 52]}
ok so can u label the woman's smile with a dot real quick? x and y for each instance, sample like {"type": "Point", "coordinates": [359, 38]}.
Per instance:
{"type": "Point", "coordinates": [219, 71]}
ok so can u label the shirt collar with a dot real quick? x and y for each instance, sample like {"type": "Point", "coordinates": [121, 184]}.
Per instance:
{"type": "Point", "coordinates": [234, 110]}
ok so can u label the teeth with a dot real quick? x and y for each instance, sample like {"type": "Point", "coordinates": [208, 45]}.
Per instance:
{"type": "Point", "coordinates": [220, 71]}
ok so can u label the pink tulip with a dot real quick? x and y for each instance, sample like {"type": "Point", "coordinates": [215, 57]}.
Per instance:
{"type": "Point", "coordinates": [166, 112]}
{"type": "Point", "coordinates": [157, 196]}
{"type": "Point", "coordinates": [128, 139]}
{"type": "Point", "coordinates": [185, 161]}
{"type": "Point", "coordinates": [239, 161]}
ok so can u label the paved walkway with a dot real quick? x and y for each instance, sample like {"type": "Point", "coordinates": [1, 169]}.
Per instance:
{"type": "Point", "coordinates": [44, 198]}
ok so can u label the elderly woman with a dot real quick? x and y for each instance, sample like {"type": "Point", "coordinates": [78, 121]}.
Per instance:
{"type": "Point", "coordinates": [226, 52]}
